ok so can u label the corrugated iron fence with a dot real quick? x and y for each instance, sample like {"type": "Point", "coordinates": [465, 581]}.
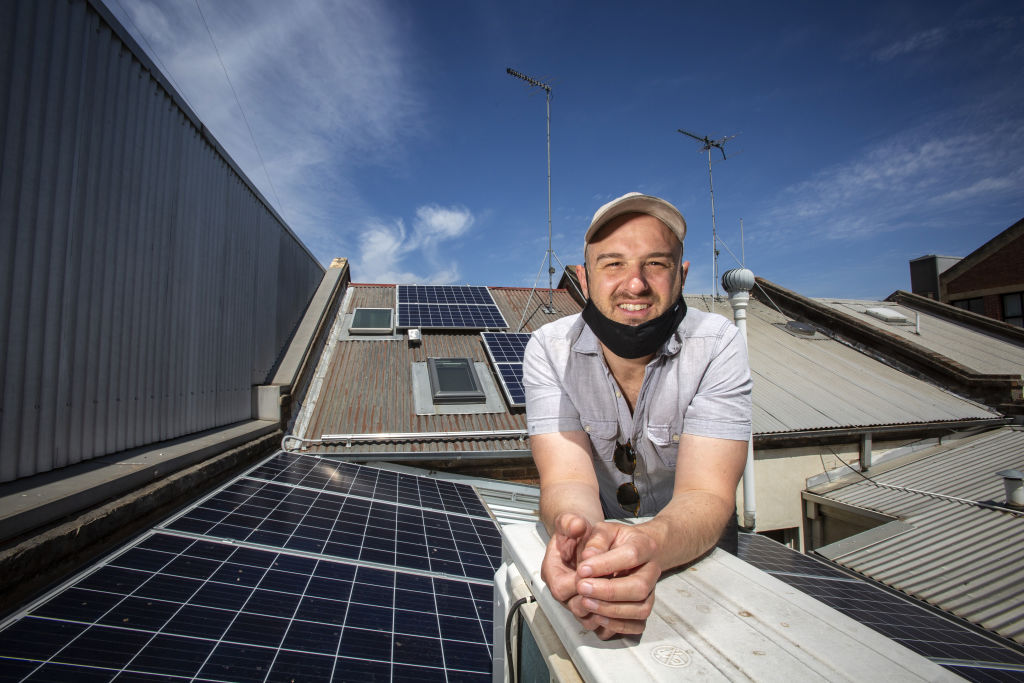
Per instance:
{"type": "Point", "coordinates": [145, 285]}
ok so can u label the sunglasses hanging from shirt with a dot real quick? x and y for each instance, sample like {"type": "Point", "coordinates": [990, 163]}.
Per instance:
{"type": "Point", "coordinates": [627, 494]}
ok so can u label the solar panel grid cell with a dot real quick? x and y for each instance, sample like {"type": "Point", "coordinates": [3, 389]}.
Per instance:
{"type": "Point", "coordinates": [914, 626]}
{"type": "Point", "coordinates": [291, 617]}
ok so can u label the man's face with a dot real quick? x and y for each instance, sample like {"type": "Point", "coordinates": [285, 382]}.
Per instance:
{"type": "Point", "coordinates": [634, 269]}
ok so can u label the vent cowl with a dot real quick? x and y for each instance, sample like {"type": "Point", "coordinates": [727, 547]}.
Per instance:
{"type": "Point", "coordinates": [1013, 480]}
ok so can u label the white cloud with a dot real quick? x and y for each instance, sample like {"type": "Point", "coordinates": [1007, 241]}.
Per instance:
{"type": "Point", "coordinates": [904, 181]}
{"type": "Point", "coordinates": [386, 248]}
{"type": "Point", "coordinates": [435, 223]}
{"type": "Point", "coordinates": [327, 89]}
{"type": "Point", "coordinates": [921, 41]}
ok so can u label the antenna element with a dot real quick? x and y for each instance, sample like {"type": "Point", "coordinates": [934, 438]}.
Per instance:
{"type": "Point", "coordinates": [550, 308]}
{"type": "Point", "coordinates": [707, 144]}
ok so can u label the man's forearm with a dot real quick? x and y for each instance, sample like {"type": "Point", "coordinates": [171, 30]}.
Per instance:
{"type": "Point", "coordinates": [687, 527]}
{"type": "Point", "coordinates": [569, 496]}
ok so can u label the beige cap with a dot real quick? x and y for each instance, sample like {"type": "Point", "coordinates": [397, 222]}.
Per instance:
{"type": "Point", "coordinates": [635, 202]}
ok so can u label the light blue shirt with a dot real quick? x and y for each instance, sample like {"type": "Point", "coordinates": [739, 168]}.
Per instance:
{"type": "Point", "coordinates": [697, 383]}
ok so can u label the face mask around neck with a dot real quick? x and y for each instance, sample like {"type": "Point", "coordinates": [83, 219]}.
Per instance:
{"type": "Point", "coordinates": [634, 341]}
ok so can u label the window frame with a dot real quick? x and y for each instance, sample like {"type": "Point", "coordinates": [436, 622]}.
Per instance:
{"type": "Point", "coordinates": [1017, 319]}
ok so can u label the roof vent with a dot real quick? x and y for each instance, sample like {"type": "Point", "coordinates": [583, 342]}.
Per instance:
{"type": "Point", "coordinates": [1013, 480]}
{"type": "Point", "coordinates": [800, 329]}
{"type": "Point", "coordinates": [888, 315]}
{"type": "Point", "coordinates": [738, 280]}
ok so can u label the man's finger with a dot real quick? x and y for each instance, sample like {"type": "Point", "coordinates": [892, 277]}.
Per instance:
{"type": "Point", "coordinates": [616, 627]}
{"type": "Point", "coordinates": [600, 541]}
{"type": "Point", "coordinates": [619, 610]}
{"type": "Point", "coordinates": [619, 558]}
{"type": "Point", "coordinates": [634, 586]}
{"type": "Point", "coordinates": [571, 526]}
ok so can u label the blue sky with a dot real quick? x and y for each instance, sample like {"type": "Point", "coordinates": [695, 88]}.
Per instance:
{"type": "Point", "coordinates": [868, 134]}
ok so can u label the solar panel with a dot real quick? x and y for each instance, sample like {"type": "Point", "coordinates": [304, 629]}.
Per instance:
{"type": "Point", "coordinates": [506, 350]}
{"type": "Point", "coordinates": [346, 527]}
{"type": "Point", "coordinates": [372, 483]}
{"type": "Point", "coordinates": [436, 306]}
{"type": "Point", "coordinates": [443, 294]}
{"type": "Point", "coordinates": [955, 646]}
{"type": "Point", "coordinates": [175, 606]}
{"type": "Point", "coordinates": [302, 569]}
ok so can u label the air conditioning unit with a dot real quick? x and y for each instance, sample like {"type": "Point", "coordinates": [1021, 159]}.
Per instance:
{"type": "Point", "coordinates": [716, 620]}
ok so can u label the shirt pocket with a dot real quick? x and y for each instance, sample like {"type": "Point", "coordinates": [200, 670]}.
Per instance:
{"type": "Point", "coordinates": [665, 439]}
{"type": "Point", "coordinates": [602, 435]}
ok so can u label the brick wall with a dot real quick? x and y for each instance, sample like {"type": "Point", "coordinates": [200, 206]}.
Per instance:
{"type": "Point", "coordinates": [1004, 268]}
{"type": "Point", "coordinates": [1002, 271]}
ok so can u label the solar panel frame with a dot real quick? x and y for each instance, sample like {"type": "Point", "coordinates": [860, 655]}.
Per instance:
{"type": "Point", "coordinates": [447, 307]}
{"type": "Point", "coordinates": [505, 351]}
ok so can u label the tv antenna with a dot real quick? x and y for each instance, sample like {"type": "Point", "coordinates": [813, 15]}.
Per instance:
{"type": "Point", "coordinates": [550, 308]}
{"type": "Point", "coordinates": [707, 145]}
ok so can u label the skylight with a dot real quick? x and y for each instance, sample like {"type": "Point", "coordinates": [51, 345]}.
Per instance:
{"type": "Point", "coordinates": [888, 315]}
{"type": "Point", "coordinates": [372, 321]}
{"type": "Point", "coordinates": [454, 380]}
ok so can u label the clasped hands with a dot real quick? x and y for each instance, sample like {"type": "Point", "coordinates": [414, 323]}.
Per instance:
{"type": "Point", "coordinates": [603, 572]}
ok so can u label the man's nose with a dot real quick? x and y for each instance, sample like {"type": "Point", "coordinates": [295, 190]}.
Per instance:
{"type": "Point", "coordinates": [636, 282]}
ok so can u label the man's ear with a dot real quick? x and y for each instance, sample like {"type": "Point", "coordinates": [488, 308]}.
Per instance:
{"type": "Point", "coordinates": [581, 275]}
{"type": "Point", "coordinates": [686, 269]}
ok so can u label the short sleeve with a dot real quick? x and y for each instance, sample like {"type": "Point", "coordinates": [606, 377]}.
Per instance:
{"type": "Point", "coordinates": [548, 406]}
{"type": "Point", "coordinates": [721, 408]}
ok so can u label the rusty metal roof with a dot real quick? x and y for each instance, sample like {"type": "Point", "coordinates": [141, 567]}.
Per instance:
{"type": "Point", "coordinates": [367, 382]}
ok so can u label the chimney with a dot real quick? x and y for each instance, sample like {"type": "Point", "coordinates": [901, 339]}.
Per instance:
{"type": "Point", "coordinates": [1013, 480]}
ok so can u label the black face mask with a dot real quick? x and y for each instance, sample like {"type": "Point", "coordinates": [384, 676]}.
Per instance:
{"type": "Point", "coordinates": [634, 341]}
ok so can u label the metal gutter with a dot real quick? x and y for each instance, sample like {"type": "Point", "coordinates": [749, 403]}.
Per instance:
{"type": "Point", "coordinates": [850, 434]}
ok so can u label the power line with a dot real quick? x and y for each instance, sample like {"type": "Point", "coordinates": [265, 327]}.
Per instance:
{"type": "Point", "coordinates": [240, 109]}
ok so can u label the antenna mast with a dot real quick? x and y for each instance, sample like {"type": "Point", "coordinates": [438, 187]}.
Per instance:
{"type": "Point", "coordinates": [707, 145]}
{"type": "Point", "coordinates": [550, 253]}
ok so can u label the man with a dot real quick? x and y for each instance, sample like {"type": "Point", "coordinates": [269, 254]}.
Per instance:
{"type": "Point", "coordinates": [637, 407]}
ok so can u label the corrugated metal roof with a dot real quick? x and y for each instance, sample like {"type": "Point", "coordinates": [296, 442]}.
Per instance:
{"type": "Point", "coordinates": [959, 557]}
{"type": "Point", "coordinates": [976, 350]}
{"type": "Point", "coordinates": [799, 384]}
{"type": "Point", "coordinates": [819, 383]}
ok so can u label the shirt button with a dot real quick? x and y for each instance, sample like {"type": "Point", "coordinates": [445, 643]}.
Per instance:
{"type": "Point", "coordinates": [675, 438]}
{"type": "Point", "coordinates": [587, 428]}
{"type": "Point", "coordinates": [618, 395]}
